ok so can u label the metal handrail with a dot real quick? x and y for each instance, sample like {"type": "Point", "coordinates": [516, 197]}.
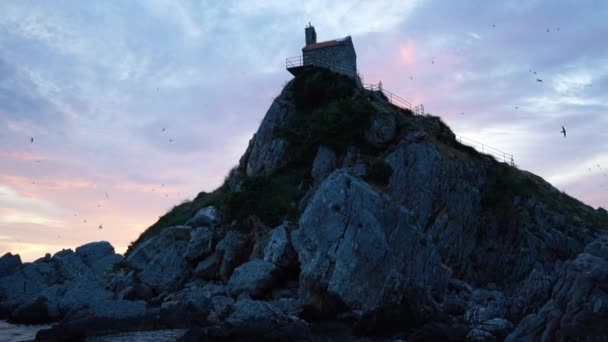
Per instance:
{"type": "Point", "coordinates": [494, 152]}
{"type": "Point", "coordinates": [392, 97]}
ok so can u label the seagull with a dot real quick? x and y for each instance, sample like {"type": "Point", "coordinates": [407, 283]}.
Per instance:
{"type": "Point", "coordinates": [170, 140]}
{"type": "Point", "coordinates": [563, 131]}
{"type": "Point", "coordinates": [164, 129]}
{"type": "Point", "coordinates": [547, 30]}
{"type": "Point", "coordinates": [516, 107]}
{"type": "Point", "coordinates": [31, 140]}
{"type": "Point", "coordinates": [100, 227]}
{"type": "Point", "coordinates": [85, 220]}
{"type": "Point", "coordinates": [432, 62]}
{"type": "Point", "coordinates": [494, 25]}
{"type": "Point", "coordinates": [539, 80]}
{"type": "Point", "coordinates": [411, 77]}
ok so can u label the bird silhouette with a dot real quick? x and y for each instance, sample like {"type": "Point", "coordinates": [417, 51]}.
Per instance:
{"type": "Point", "coordinates": [516, 107]}
{"type": "Point", "coordinates": [539, 80]}
{"type": "Point", "coordinates": [100, 227]}
{"type": "Point", "coordinates": [85, 220]}
{"type": "Point", "coordinates": [170, 140]}
{"type": "Point", "coordinates": [31, 140]}
{"type": "Point", "coordinates": [107, 195]}
{"type": "Point", "coordinates": [164, 129]}
{"type": "Point", "coordinates": [563, 131]}
{"type": "Point", "coordinates": [494, 25]}
{"type": "Point", "coordinates": [547, 30]}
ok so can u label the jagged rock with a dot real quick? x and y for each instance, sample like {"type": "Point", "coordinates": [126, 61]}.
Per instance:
{"type": "Point", "coordinates": [208, 268]}
{"type": "Point", "coordinates": [578, 307]}
{"type": "Point", "coordinates": [382, 130]}
{"type": "Point", "coordinates": [355, 245]}
{"type": "Point", "coordinates": [9, 263]}
{"type": "Point", "coordinates": [201, 244]}
{"type": "Point", "coordinates": [159, 262]}
{"type": "Point", "coordinates": [233, 252]}
{"type": "Point", "coordinates": [266, 151]}
{"type": "Point", "coordinates": [253, 278]}
{"type": "Point", "coordinates": [205, 217]}
{"type": "Point", "coordinates": [279, 250]}
{"type": "Point", "coordinates": [324, 163]}
{"type": "Point", "coordinates": [99, 256]}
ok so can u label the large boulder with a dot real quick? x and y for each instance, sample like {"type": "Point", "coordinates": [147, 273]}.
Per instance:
{"type": "Point", "coordinates": [35, 311]}
{"type": "Point", "coordinates": [200, 245]}
{"type": "Point", "coordinates": [358, 248]}
{"type": "Point", "coordinates": [99, 256]}
{"type": "Point", "coordinates": [205, 217]}
{"type": "Point", "coordinates": [159, 262]}
{"type": "Point", "coordinates": [9, 264]}
{"type": "Point", "coordinates": [279, 250]}
{"type": "Point", "coordinates": [232, 250]}
{"type": "Point", "coordinates": [252, 278]}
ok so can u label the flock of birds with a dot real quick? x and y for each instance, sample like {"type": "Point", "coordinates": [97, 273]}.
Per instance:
{"type": "Point", "coordinates": [164, 129]}
{"type": "Point", "coordinates": [100, 227]}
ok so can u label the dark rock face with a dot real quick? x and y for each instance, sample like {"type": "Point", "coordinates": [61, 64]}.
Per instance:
{"type": "Point", "coordinates": [252, 278]}
{"type": "Point", "coordinates": [32, 312]}
{"type": "Point", "coordinates": [9, 264]}
{"type": "Point", "coordinates": [578, 306]}
{"type": "Point", "coordinates": [159, 262]}
{"type": "Point", "coordinates": [356, 246]}
{"type": "Point", "coordinates": [266, 150]}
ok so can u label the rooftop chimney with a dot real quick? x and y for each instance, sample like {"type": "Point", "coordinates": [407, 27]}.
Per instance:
{"type": "Point", "coordinates": [311, 35]}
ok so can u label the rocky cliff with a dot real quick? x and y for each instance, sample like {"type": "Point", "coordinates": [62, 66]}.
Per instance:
{"type": "Point", "coordinates": [347, 218]}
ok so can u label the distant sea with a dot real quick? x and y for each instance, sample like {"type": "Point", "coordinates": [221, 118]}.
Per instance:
{"type": "Point", "coordinates": [18, 332]}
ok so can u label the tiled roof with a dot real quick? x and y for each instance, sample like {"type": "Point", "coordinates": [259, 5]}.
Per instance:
{"type": "Point", "coordinates": [325, 44]}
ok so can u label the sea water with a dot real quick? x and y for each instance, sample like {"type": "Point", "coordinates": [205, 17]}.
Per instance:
{"type": "Point", "coordinates": [18, 332]}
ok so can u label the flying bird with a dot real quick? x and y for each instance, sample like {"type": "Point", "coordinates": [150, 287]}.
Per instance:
{"type": "Point", "coordinates": [31, 140]}
{"type": "Point", "coordinates": [563, 131]}
{"type": "Point", "coordinates": [107, 195]}
{"type": "Point", "coordinates": [432, 62]}
{"type": "Point", "coordinates": [164, 129]}
{"type": "Point", "coordinates": [516, 107]}
{"type": "Point", "coordinates": [170, 140]}
{"type": "Point", "coordinates": [85, 221]}
{"type": "Point", "coordinates": [547, 30]}
{"type": "Point", "coordinates": [539, 80]}
{"type": "Point", "coordinates": [411, 77]}
{"type": "Point", "coordinates": [100, 227]}
{"type": "Point", "coordinates": [494, 25]}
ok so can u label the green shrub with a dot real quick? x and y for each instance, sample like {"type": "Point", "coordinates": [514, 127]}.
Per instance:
{"type": "Point", "coordinates": [379, 173]}
{"type": "Point", "coordinates": [318, 86]}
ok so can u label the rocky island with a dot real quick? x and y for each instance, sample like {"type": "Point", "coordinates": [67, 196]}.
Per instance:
{"type": "Point", "coordinates": [347, 218]}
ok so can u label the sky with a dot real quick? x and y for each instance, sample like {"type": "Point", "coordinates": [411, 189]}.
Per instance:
{"type": "Point", "coordinates": [136, 106]}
